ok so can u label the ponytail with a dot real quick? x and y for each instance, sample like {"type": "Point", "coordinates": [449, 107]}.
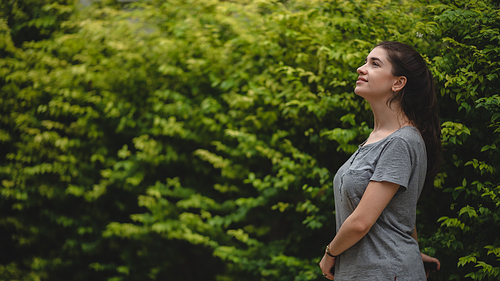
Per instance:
{"type": "Point", "coordinates": [417, 100]}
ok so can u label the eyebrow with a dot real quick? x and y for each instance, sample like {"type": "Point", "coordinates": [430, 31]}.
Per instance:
{"type": "Point", "coordinates": [375, 58]}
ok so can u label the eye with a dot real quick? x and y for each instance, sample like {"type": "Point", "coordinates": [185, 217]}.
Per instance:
{"type": "Point", "coordinates": [375, 63]}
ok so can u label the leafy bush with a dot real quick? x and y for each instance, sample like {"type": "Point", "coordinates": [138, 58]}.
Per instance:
{"type": "Point", "coordinates": [199, 139]}
{"type": "Point", "coordinates": [467, 69]}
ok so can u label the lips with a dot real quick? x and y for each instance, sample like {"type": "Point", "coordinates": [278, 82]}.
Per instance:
{"type": "Point", "coordinates": [362, 79]}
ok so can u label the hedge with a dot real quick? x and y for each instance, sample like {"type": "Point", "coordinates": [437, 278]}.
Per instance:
{"type": "Point", "coordinates": [190, 139]}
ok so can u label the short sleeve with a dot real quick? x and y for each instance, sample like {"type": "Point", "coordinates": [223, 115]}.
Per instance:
{"type": "Point", "coordinates": [394, 164]}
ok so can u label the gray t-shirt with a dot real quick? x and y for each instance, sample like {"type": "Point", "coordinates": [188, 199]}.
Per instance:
{"type": "Point", "coordinates": [387, 252]}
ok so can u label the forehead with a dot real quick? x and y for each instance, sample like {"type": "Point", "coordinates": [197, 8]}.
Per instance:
{"type": "Point", "coordinates": [378, 53]}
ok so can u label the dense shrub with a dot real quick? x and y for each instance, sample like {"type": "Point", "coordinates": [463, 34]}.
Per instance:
{"type": "Point", "coordinates": [189, 139]}
{"type": "Point", "coordinates": [467, 68]}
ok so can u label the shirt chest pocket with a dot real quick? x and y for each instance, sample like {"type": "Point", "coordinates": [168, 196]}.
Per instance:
{"type": "Point", "coordinates": [354, 183]}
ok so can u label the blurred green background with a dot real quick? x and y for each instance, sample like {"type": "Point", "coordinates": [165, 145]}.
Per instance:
{"type": "Point", "coordinates": [198, 139]}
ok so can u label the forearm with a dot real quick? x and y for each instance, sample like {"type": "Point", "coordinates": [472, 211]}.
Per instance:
{"type": "Point", "coordinates": [425, 258]}
{"type": "Point", "coordinates": [375, 198]}
{"type": "Point", "coordinates": [349, 234]}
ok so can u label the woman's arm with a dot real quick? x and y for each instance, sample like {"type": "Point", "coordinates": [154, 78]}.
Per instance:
{"type": "Point", "coordinates": [426, 258]}
{"type": "Point", "coordinates": [414, 234]}
{"type": "Point", "coordinates": [376, 197]}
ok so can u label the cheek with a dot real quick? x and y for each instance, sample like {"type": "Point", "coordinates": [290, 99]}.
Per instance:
{"type": "Point", "coordinates": [383, 81]}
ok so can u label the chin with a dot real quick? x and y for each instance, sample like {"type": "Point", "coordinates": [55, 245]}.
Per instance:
{"type": "Point", "coordinates": [358, 91]}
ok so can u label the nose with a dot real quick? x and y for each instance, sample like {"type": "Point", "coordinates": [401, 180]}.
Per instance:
{"type": "Point", "coordinates": [361, 70]}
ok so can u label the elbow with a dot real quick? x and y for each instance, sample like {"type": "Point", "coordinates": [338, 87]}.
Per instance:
{"type": "Point", "coordinates": [360, 227]}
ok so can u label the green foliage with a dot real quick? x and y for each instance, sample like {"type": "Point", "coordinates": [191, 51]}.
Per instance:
{"type": "Point", "coordinates": [35, 19]}
{"type": "Point", "coordinates": [466, 70]}
{"type": "Point", "coordinates": [199, 139]}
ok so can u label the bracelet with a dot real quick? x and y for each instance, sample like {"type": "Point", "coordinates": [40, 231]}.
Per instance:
{"type": "Point", "coordinates": [327, 251]}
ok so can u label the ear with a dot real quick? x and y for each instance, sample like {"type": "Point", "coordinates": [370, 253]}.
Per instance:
{"type": "Point", "coordinates": [399, 83]}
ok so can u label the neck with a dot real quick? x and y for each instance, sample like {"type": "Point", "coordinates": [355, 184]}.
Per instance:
{"type": "Point", "coordinates": [388, 119]}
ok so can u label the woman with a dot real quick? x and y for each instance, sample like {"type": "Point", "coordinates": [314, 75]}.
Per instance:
{"type": "Point", "coordinates": [377, 189]}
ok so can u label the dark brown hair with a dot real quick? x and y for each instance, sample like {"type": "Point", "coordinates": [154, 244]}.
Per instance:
{"type": "Point", "coordinates": [417, 99]}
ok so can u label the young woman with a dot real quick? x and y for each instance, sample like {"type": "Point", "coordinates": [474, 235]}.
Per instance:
{"type": "Point", "coordinates": [377, 189]}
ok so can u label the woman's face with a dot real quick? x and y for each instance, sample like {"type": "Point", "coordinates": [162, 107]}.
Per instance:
{"type": "Point", "coordinates": [375, 80]}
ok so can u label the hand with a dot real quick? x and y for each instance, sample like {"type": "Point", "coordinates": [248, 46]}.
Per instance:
{"type": "Point", "coordinates": [326, 264]}
{"type": "Point", "coordinates": [426, 258]}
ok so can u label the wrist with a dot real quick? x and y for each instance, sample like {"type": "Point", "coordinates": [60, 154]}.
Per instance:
{"type": "Point", "coordinates": [327, 252]}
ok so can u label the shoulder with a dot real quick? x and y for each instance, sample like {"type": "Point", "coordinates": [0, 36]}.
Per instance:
{"type": "Point", "coordinates": [408, 134]}
{"type": "Point", "coordinates": [407, 139]}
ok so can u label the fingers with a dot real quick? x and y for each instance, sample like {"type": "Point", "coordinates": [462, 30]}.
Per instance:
{"type": "Point", "coordinates": [438, 264]}
{"type": "Point", "coordinates": [328, 276]}
{"type": "Point", "coordinates": [326, 264]}
{"type": "Point", "coordinates": [436, 261]}
{"type": "Point", "coordinates": [427, 258]}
